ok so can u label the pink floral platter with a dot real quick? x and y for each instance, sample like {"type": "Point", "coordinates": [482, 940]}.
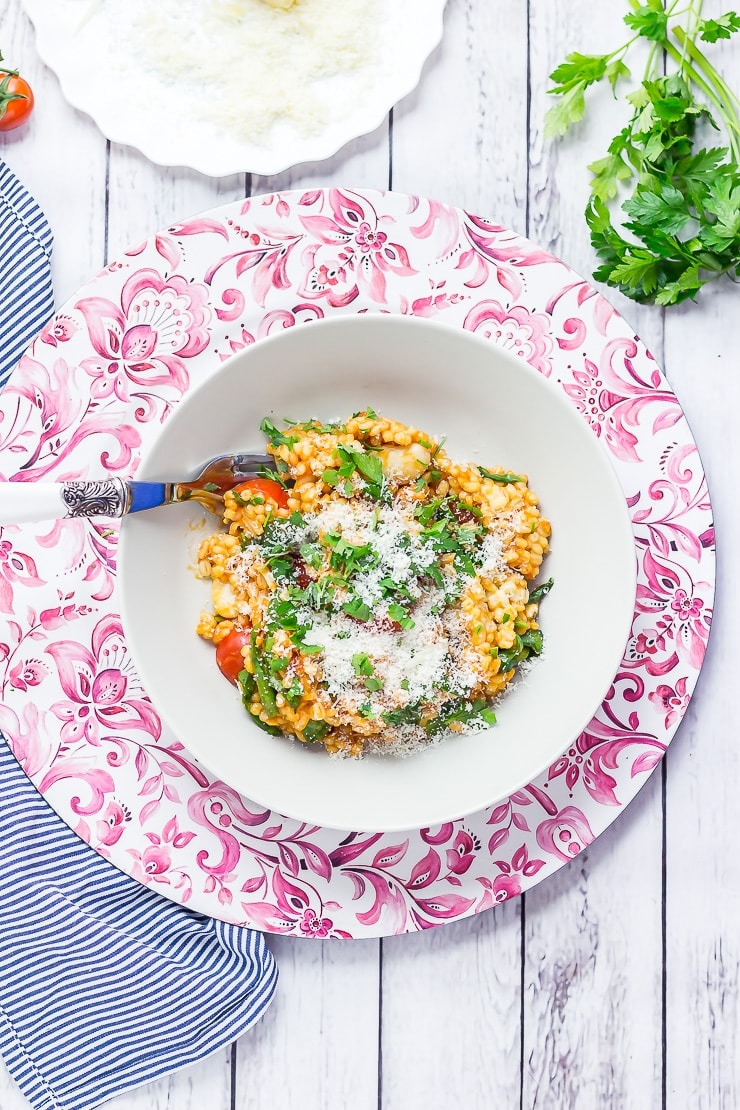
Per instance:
{"type": "Point", "coordinates": [92, 391]}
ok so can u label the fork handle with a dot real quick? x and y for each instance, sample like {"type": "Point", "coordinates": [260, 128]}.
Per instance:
{"type": "Point", "coordinates": [30, 502]}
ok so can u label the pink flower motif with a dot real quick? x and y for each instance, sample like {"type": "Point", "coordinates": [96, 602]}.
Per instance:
{"type": "Point", "coordinates": [673, 702]}
{"type": "Point", "coordinates": [369, 239]}
{"type": "Point", "coordinates": [649, 642]}
{"type": "Point", "coordinates": [462, 853]}
{"type": "Point", "coordinates": [27, 673]}
{"type": "Point", "coordinates": [523, 333]}
{"type": "Point", "coordinates": [60, 329]}
{"type": "Point", "coordinates": [589, 396]}
{"type": "Point", "coordinates": [326, 276]}
{"type": "Point", "coordinates": [332, 278]}
{"type": "Point", "coordinates": [110, 828]}
{"type": "Point", "coordinates": [156, 861]}
{"type": "Point", "coordinates": [103, 691]}
{"type": "Point", "coordinates": [351, 253]}
{"type": "Point", "coordinates": [153, 864]}
{"type": "Point", "coordinates": [313, 926]}
{"type": "Point", "coordinates": [566, 834]}
{"type": "Point", "coordinates": [506, 886]}
{"type": "Point", "coordinates": [688, 608]}
{"type": "Point", "coordinates": [15, 568]}
{"type": "Point", "coordinates": [143, 343]}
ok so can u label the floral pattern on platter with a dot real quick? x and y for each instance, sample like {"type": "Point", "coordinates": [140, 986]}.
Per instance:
{"type": "Point", "coordinates": [93, 390]}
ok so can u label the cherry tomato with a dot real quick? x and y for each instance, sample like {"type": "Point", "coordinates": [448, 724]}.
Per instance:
{"type": "Point", "coordinates": [229, 653]}
{"type": "Point", "coordinates": [16, 99]}
{"type": "Point", "coordinates": [267, 488]}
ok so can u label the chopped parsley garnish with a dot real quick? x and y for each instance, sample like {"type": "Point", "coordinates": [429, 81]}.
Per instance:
{"type": "Point", "coordinates": [275, 437]}
{"type": "Point", "coordinates": [361, 664]}
{"type": "Point", "coordinates": [507, 478]}
{"type": "Point", "coordinates": [530, 643]}
{"type": "Point", "coordinates": [315, 731]}
{"type": "Point", "coordinates": [357, 609]}
{"type": "Point", "coordinates": [405, 715]}
{"type": "Point", "coordinates": [400, 615]}
{"type": "Point", "coordinates": [311, 554]}
{"type": "Point", "coordinates": [541, 591]}
{"type": "Point", "coordinates": [365, 463]}
{"type": "Point", "coordinates": [463, 711]}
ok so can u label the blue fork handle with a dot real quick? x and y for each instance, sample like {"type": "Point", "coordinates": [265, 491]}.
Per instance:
{"type": "Point", "coordinates": [30, 502]}
{"type": "Point", "coordinates": [113, 497]}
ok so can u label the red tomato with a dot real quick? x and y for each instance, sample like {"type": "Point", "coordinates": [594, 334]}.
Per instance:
{"type": "Point", "coordinates": [16, 99]}
{"type": "Point", "coordinates": [229, 653]}
{"type": "Point", "coordinates": [267, 488]}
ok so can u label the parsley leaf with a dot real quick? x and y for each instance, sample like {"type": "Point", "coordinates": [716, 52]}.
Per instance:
{"type": "Point", "coordinates": [541, 591]}
{"type": "Point", "coordinates": [357, 609]}
{"type": "Point", "coordinates": [361, 663]}
{"type": "Point", "coordinates": [275, 437]}
{"type": "Point", "coordinates": [315, 731]}
{"type": "Point", "coordinates": [722, 28]}
{"type": "Point", "coordinates": [504, 479]}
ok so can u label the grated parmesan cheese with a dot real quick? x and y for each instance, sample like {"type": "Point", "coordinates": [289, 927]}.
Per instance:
{"type": "Point", "coordinates": [246, 66]}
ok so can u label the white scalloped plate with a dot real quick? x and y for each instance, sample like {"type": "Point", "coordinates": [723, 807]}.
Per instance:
{"type": "Point", "coordinates": [101, 74]}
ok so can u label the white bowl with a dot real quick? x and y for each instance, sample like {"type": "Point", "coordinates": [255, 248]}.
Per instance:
{"type": "Point", "coordinates": [494, 409]}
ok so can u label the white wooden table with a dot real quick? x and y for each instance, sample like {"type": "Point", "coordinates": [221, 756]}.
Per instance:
{"type": "Point", "coordinates": [614, 984]}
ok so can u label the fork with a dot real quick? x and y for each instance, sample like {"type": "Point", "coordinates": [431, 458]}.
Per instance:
{"type": "Point", "coordinates": [30, 502]}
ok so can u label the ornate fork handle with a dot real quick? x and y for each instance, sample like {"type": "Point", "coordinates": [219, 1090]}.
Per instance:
{"type": "Point", "coordinates": [30, 502]}
{"type": "Point", "coordinates": [110, 497]}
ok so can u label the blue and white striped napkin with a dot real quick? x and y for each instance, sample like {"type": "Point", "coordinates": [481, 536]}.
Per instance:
{"type": "Point", "coordinates": [26, 294]}
{"type": "Point", "coordinates": [104, 984]}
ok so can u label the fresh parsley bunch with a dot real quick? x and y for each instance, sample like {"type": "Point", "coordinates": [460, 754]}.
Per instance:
{"type": "Point", "coordinates": [683, 214]}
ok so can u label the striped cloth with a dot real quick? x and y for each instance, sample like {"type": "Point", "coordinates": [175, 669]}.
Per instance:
{"type": "Point", "coordinates": [26, 295]}
{"type": "Point", "coordinates": [104, 984]}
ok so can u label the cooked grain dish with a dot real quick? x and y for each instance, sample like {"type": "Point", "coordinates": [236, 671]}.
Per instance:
{"type": "Point", "coordinates": [374, 594]}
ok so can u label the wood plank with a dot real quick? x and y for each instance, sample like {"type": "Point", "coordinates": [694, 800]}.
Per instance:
{"type": "Point", "coordinates": [460, 137]}
{"type": "Point", "coordinates": [593, 945]}
{"type": "Point", "coordinates": [592, 975]}
{"type": "Point", "coordinates": [317, 1044]}
{"type": "Point", "coordinates": [702, 815]}
{"type": "Point", "coordinates": [450, 1033]}
{"type": "Point", "coordinates": [207, 1083]}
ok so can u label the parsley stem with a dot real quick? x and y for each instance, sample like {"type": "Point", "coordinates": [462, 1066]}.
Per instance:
{"type": "Point", "coordinates": [731, 101]}
{"type": "Point", "coordinates": [713, 87]}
